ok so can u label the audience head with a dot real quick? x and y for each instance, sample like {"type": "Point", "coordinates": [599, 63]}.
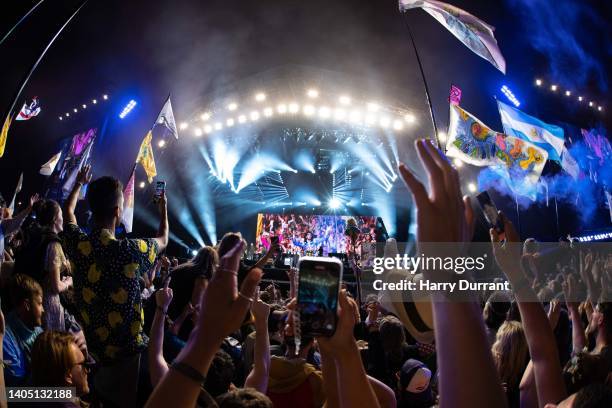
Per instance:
{"type": "Point", "coordinates": [205, 261]}
{"type": "Point", "coordinates": [27, 297]}
{"type": "Point", "coordinates": [49, 215]}
{"type": "Point", "coordinates": [220, 374]}
{"type": "Point", "coordinates": [105, 199]}
{"type": "Point", "coordinates": [510, 353]}
{"type": "Point", "coordinates": [57, 361]}
{"type": "Point", "coordinates": [531, 246]}
{"type": "Point", "coordinates": [414, 384]}
{"type": "Point", "coordinates": [228, 241]}
{"type": "Point", "coordinates": [496, 309]}
{"type": "Point", "coordinates": [392, 333]}
{"type": "Point", "coordinates": [244, 398]}
{"type": "Point", "coordinates": [602, 318]}
{"type": "Point", "coordinates": [592, 396]}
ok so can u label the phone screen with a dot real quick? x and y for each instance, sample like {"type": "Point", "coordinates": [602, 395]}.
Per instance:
{"type": "Point", "coordinates": [490, 211]}
{"type": "Point", "coordinates": [318, 289]}
{"type": "Point", "coordinates": [160, 188]}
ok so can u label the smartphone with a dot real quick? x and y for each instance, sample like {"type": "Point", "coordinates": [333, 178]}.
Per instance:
{"type": "Point", "coordinates": [318, 290]}
{"type": "Point", "coordinates": [490, 212]}
{"type": "Point", "coordinates": [160, 189]}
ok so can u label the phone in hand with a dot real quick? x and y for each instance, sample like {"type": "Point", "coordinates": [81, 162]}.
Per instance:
{"type": "Point", "coordinates": [318, 289]}
{"type": "Point", "coordinates": [490, 212]}
{"type": "Point", "coordinates": [160, 189]}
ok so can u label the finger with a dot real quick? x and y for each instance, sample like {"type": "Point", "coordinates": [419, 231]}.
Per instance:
{"type": "Point", "coordinates": [248, 289]}
{"type": "Point", "coordinates": [469, 216]}
{"type": "Point", "coordinates": [450, 175]}
{"type": "Point", "coordinates": [434, 173]}
{"type": "Point", "coordinates": [419, 194]}
{"type": "Point", "coordinates": [228, 272]}
{"type": "Point", "coordinates": [509, 231]}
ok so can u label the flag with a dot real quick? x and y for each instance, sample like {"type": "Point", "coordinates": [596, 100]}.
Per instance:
{"type": "Point", "coordinates": [454, 96]}
{"type": "Point", "coordinates": [71, 179]}
{"type": "Point", "coordinates": [27, 112]}
{"type": "Point", "coordinates": [519, 124]}
{"type": "Point", "coordinates": [166, 118]}
{"type": "Point", "coordinates": [598, 144]}
{"type": "Point", "coordinates": [127, 216]}
{"type": "Point", "coordinates": [17, 191]}
{"type": "Point", "coordinates": [471, 31]}
{"type": "Point", "coordinates": [48, 168]}
{"type": "Point", "coordinates": [4, 134]}
{"type": "Point", "coordinates": [145, 157]}
{"type": "Point", "coordinates": [470, 140]}
{"type": "Point", "coordinates": [569, 164]}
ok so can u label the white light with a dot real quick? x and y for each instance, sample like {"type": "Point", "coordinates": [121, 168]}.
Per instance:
{"type": "Point", "coordinates": [373, 107]}
{"type": "Point", "coordinates": [207, 128]}
{"type": "Point", "coordinates": [84, 106]}
{"type": "Point", "coordinates": [260, 97]}
{"type": "Point", "coordinates": [472, 187]}
{"type": "Point", "coordinates": [339, 114]}
{"type": "Point", "coordinates": [141, 184]}
{"type": "Point", "coordinates": [345, 100]}
{"type": "Point", "coordinates": [567, 93]}
{"type": "Point", "coordinates": [538, 82]}
{"type": "Point", "coordinates": [580, 98]}
{"type": "Point", "coordinates": [67, 114]}
{"type": "Point", "coordinates": [232, 106]}
{"type": "Point", "coordinates": [458, 163]}
{"type": "Point", "coordinates": [161, 143]}
{"type": "Point", "coordinates": [218, 126]}
{"type": "Point", "coordinates": [294, 107]}
{"type": "Point", "coordinates": [205, 116]}
{"type": "Point", "coordinates": [242, 119]}
{"type": "Point", "coordinates": [590, 104]}
{"type": "Point", "coordinates": [75, 110]}
{"type": "Point", "coordinates": [254, 115]}
{"type": "Point", "coordinates": [312, 93]}
{"type": "Point", "coordinates": [198, 132]}
{"type": "Point", "coordinates": [355, 117]}
{"type": "Point", "coordinates": [334, 203]}
{"type": "Point", "coordinates": [229, 122]}
{"type": "Point", "coordinates": [398, 125]}
{"type": "Point", "coordinates": [324, 112]}
{"type": "Point", "coordinates": [94, 101]}
{"type": "Point", "coordinates": [105, 97]}
{"type": "Point", "coordinates": [385, 122]}
{"type": "Point", "coordinates": [599, 108]}
{"type": "Point", "coordinates": [282, 108]}
{"type": "Point", "coordinates": [409, 118]}
{"type": "Point", "coordinates": [183, 125]}
{"type": "Point", "coordinates": [553, 88]}
{"type": "Point", "coordinates": [442, 137]}
{"type": "Point", "coordinates": [268, 112]}
{"type": "Point", "coordinates": [61, 118]}
{"type": "Point", "coordinates": [370, 119]}
{"type": "Point", "coordinates": [309, 110]}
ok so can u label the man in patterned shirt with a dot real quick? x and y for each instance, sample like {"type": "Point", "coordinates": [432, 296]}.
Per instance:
{"type": "Point", "coordinates": [106, 283]}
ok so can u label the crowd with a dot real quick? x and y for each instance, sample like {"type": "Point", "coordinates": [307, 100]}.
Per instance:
{"type": "Point", "coordinates": [125, 325]}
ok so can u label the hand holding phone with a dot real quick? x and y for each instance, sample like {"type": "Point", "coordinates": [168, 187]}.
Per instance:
{"type": "Point", "coordinates": [160, 190]}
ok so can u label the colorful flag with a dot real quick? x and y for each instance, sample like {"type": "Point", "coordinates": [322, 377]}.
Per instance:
{"type": "Point", "coordinates": [4, 134]}
{"type": "Point", "coordinates": [471, 31]}
{"type": "Point", "coordinates": [127, 216]}
{"type": "Point", "coordinates": [17, 191]}
{"type": "Point", "coordinates": [569, 164]}
{"type": "Point", "coordinates": [598, 144]}
{"type": "Point", "coordinates": [71, 179]}
{"type": "Point", "coordinates": [145, 157]}
{"type": "Point", "coordinates": [519, 124]}
{"type": "Point", "coordinates": [48, 168]}
{"type": "Point", "coordinates": [27, 112]}
{"type": "Point", "coordinates": [166, 118]}
{"type": "Point", "coordinates": [470, 140]}
{"type": "Point", "coordinates": [454, 96]}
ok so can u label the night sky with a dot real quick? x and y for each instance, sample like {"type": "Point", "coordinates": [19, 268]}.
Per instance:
{"type": "Point", "coordinates": [146, 49]}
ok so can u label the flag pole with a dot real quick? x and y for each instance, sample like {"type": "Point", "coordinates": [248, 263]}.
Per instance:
{"type": "Point", "coordinates": [21, 20]}
{"type": "Point", "coordinates": [427, 94]}
{"type": "Point", "coordinates": [27, 78]}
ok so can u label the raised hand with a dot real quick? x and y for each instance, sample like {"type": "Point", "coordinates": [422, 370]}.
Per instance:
{"type": "Point", "coordinates": [163, 298]}
{"type": "Point", "coordinates": [508, 252]}
{"type": "Point", "coordinates": [33, 200]}
{"type": "Point", "coordinates": [162, 203]}
{"type": "Point", "coordinates": [343, 337]}
{"type": "Point", "coordinates": [84, 175]}
{"type": "Point", "coordinates": [260, 309]}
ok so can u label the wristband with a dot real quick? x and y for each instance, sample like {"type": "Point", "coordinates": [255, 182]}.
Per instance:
{"type": "Point", "coordinates": [189, 371]}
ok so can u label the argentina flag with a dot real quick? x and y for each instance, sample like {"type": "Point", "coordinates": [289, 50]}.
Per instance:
{"type": "Point", "coordinates": [521, 125]}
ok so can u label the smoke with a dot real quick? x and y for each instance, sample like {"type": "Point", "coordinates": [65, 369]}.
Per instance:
{"type": "Point", "coordinates": [563, 31]}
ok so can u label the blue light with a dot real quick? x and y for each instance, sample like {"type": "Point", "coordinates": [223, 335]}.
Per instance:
{"type": "Point", "coordinates": [127, 109]}
{"type": "Point", "coordinates": [508, 93]}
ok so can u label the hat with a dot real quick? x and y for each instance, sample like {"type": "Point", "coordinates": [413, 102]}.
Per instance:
{"type": "Point", "coordinates": [409, 369]}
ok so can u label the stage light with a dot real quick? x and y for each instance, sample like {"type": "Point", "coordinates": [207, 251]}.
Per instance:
{"type": "Point", "coordinates": [194, 252]}
{"type": "Point", "coordinates": [282, 108]}
{"type": "Point", "coordinates": [567, 93]}
{"type": "Point", "coordinates": [355, 117]}
{"type": "Point", "coordinates": [409, 118]}
{"type": "Point", "coordinates": [472, 187]}
{"type": "Point", "coordinates": [312, 93]}
{"type": "Point", "coordinates": [316, 202]}
{"type": "Point", "coordinates": [442, 137]}
{"type": "Point", "coordinates": [205, 116]}
{"type": "Point", "coordinates": [61, 118]}
{"type": "Point", "coordinates": [268, 112]}
{"type": "Point", "coordinates": [84, 106]}
{"type": "Point", "coordinates": [385, 122]}
{"type": "Point", "coordinates": [75, 110]}
{"type": "Point", "coordinates": [458, 163]}
{"type": "Point", "coordinates": [508, 93]}
{"type": "Point", "coordinates": [324, 112]}
{"type": "Point", "coordinates": [591, 104]}
{"type": "Point", "coordinates": [127, 109]}
{"type": "Point", "coordinates": [294, 108]}
{"type": "Point", "coordinates": [197, 132]}
{"type": "Point", "coordinates": [339, 114]}
{"type": "Point", "coordinates": [208, 129]}
{"type": "Point", "coordinates": [345, 100]}
{"type": "Point", "coordinates": [334, 203]}
{"type": "Point", "coordinates": [538, 82]}
{"type": "Point", "coordinates": [254, 115]}
{"type": "Point", "coordinates": [229, 122]}
{"type": "Point", "coordinates": [398, 125]}
{"type": "Point", "coordinates": [370, 119]}
{"type": "Point", "coordinates": [218, 126]}
{"type": "Point", "coordinates": [67, 114]}
{"type": "Point", "coordinates": [142, 184]}
{"type": "Point", "coordinates": [553, 88]}
{"type": "Point", "coordinates": [373, 107]}
{"type": "Point", "coordinates": [309, 110]}
{"type": "Point", "coordinates": [232, 106]}
{"type": "Point", "coordinates": [260, 97]}
{"type": "Point", "coordinates": [580, 98]}
{"type": "Point", "coordinates": [313, 171]}
{"type": "Point", "coordinates": [242, 118]}
{"type": "Point", "coordinates": [105, 97]}
{"type": "Point", "coordinates": [161, 143]}
{"type": "Point", "coordinates": [599, 108]}
{"type": "Point", "coordinates": [183, 125]}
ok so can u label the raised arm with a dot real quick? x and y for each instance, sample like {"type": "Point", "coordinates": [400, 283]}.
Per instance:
{"type": "Point", "coordinates": [163, 230]}
{"type": "Point", "coordinates": [157, 364]}
{"type": "Point", "coordinates": [579, 340]}
{"type": "Point", "coordinates": [11, 225]}
{"type": "Point", "coordinates": [269, 254]}
{"type": "Point", "coordinates": [444, 217]}
{"type": "Point", "coordinates": [83, 177]}
{"type": "Point", "coordinates": [539, 335]}
{"type": "Point", "coordinates": [258, 377]}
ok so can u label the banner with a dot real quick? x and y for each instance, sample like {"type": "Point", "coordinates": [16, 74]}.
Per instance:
{"type": "Point", "coordinates": [127, 216]}
{"type": "Point", "coordinates": [4, 134]}
{"type": "Point", "coordinates": [48, 168]}
{"type": "Point", "coordinates": [145, 157]}
{"type": "Point", "coordinates": [27, 112]}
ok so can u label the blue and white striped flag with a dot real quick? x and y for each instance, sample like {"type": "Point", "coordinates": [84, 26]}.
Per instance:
{"type": "Point", "coordinates": [519, 124]}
